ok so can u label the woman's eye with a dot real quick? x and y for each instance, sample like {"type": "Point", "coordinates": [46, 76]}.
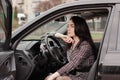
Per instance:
{"type": "Point", "coordinates": [72, 26]}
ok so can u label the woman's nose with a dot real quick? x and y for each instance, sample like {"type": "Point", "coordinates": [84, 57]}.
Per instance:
{"type": "Point", "coordinates": [68, 28]}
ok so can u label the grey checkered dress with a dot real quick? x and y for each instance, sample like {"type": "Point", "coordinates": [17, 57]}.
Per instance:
{"type": "Point", "coordinates": [78, 58]}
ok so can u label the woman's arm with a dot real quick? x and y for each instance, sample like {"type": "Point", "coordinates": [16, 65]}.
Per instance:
{"type": "Point", "coordinates": [66, 38]}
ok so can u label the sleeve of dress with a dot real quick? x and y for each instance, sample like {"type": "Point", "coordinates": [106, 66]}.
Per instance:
{"type": "Point", "coordinates": [79, 57]}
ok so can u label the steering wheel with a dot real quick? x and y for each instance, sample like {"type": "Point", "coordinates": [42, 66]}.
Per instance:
{"type": "Point", "coordinates": [55, 48]}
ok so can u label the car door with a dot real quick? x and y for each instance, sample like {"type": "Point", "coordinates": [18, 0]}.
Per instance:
{"type": "Point", "coordinates": [7, 59]}
{"type": "Point", "coordinates": [88, 13]}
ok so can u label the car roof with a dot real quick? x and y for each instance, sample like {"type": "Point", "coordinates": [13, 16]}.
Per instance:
{"type": "Point", "coordinates": [97, 1]}
{"type": "Point", "coordinates": [82, 2]}
{"type": "Point", "coordinates": [85, 2]}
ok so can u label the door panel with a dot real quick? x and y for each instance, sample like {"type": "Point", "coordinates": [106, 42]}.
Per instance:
{"type": "Point", "coordinates": [7, 65]}
{"type": "Point", "coordinates": [24, 65]}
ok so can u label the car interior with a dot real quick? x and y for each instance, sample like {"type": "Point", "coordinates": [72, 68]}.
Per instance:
{"type": "Point", "coordinates": [40, 54]}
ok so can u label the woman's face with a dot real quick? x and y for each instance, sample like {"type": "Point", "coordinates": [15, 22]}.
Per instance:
{"type": "Point", "coordinates": [70, 29]}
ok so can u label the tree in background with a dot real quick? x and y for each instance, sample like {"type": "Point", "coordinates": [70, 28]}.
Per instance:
{"type": "Point", "coordinates": [15, 13]}
{"type": "Point", "coordinates": [45, 5]}
{"type": "Point", "coordinates": [15, 19]}
{"type": "Point", "coordinates": [55, 2]}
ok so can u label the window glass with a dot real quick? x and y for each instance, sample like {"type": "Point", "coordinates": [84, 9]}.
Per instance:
{"type": "Point", "coordinates": [97, 26]}
{"type": "Point", "coordinates": [96, 20]}
{"type": "Point", "coordinates": [2, 33]}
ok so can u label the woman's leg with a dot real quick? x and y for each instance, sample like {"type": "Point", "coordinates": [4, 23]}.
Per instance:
{"type": "Point", "coordinates": [63, 78]}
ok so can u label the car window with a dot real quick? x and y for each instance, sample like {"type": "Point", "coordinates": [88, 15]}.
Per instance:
{"type": "Point", "coordinates": [96, 20]}
{"type": "Point", "coordinates": [2, 33]}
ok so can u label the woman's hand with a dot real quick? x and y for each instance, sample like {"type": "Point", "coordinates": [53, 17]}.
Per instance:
{"type": "Point", "coordinates": [53, 76]}
{"type": "Point", "coordinates": [66, 38]}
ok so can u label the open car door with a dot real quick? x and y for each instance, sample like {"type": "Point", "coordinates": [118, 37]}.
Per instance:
{"type": "Point", "coordinates": [7, 59]}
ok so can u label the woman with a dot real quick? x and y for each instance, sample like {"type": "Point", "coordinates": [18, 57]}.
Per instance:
{"type": "Point", "coordinates": [81, 51]}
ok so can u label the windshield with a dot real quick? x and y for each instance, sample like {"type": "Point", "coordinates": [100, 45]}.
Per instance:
{"type": "Point", "coordinates": [52, 26]}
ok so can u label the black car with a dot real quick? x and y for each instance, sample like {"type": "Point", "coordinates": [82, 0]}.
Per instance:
{"type": "Point", "coordinates": [22, 56]}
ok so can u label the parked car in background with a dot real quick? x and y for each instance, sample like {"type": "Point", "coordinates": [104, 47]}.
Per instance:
{"type": "Point", "coordinates": [21, 55]}
{"type": "Point", "coordinates": [21, 18]}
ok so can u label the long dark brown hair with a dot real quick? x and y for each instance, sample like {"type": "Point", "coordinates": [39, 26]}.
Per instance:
{"type": "Point", "coordinates": [83, 32]}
